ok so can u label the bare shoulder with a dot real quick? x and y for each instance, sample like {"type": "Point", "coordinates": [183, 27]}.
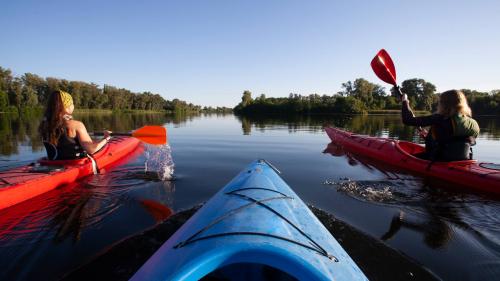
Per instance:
{"type": "Point", "coordinates": [75, 124]}
{"type": "Point", "coordinates": [81, 131]}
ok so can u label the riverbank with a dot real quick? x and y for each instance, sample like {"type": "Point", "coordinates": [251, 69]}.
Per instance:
{"type": "Point", "coordinates": [137, 111]}
{"type": "Point", "coordinates": [39, 110]}
{"type": "Point", "coordinates": [393, 111]}
{"type": "Point", "coordinates": [109, 111]}
{"type": "Point", "coordinates": [377, 260]}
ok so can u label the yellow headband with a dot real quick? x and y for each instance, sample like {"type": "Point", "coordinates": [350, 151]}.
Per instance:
{"type": "Point", "coordinates": [66, 99]}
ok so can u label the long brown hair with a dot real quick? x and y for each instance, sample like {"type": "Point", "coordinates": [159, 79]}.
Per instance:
{"type": "Point", "coordinates": [52, 126]}
{"type": "Point", "coordinates": [453, 102]}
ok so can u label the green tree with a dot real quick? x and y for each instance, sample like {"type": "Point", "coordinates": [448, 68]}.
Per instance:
{"type": "Point", "coordinates": [52, 84]}
{"type": "Point", "coordinates": [347, 89]}
{"type": "Point", "coordinates": [246, 99]}
{"type": "Point", "coordinates": [29, 97]}
{"type": "Point", "coordinates": [420, 93]}
{"type": "Point", "coordinates": [16, 93]}
{"type": "Point", "coordinates": [348, 105]}
{"type": "Point", "coordinates": [31, 90]}
{"type": "Point", "coordinates": [364, 91]}
{"type": "Point", "coordinates": [5, 79]}
{"type": "Point", "coordinates": [368, 93]}
{"type": "Point", "coordinates": [35, 89]}
{"type": "Point", "coordinates": [75, 88]}
{"type": "Point", "coordinates": [4, 101]}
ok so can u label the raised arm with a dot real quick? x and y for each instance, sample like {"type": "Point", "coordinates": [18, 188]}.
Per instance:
{"type": "Point", "coordinates": [87, 143]}
{"type": "Point", "coordinates": [409, 118]}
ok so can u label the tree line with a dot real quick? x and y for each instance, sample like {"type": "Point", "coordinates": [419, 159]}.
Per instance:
{"type": "Point", "coordinates": [361, 96]}
{"type": "Point", "coordinates": [32, 91]}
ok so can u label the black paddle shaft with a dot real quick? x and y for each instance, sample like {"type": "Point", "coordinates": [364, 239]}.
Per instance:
{"type": "Point", "coordinates": [113, 134]}
{"type": "Point", "coordinates": [399, 91]}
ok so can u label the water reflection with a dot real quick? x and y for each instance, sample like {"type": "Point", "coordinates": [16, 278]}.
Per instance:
{"type": "Point", "coordinates": [21, 130]}
{"type": "Point", "coordinates": [425, 207]}
{"type": "Point", "coordinates": [17, 131]}
{"type": "Point", "coordinates": [292, 123]}
{"type": "Point", "coordinates": [65, 212]}
{"type": "Point", "coordinates": [58, 231]}
{"type": "Point", "coordinates": [374, 125]}
{"type": "Point", "coordinates": [84, 217]}
{"type": "Point", "coordinates": [158, 210]}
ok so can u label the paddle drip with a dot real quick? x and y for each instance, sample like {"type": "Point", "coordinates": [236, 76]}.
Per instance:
{"type": "Point", "coordinates": [159, 160]}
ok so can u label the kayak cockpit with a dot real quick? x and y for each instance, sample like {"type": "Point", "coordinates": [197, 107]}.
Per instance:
{"type": "Point", "coordinates": [413, 150]}
{"type": "Point", "coordinates": [410, 148]}
{"type": "Point", "coordinates": [248, 272]}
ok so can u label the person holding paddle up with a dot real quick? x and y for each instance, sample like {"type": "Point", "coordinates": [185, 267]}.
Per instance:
{"type": "Point", "coordinates": [452, 129]}
{"type": "Point", "coordinates": [63, 137]}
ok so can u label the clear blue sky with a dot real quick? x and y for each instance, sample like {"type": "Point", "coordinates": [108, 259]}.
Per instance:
{"type": "Point", "coordinates": [209, 52]}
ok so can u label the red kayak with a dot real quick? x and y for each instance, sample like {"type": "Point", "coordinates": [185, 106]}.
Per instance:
{"type": "Point", "coordinates": [468, 174]}
{"type": "Point", "coordinates": [23, 183]}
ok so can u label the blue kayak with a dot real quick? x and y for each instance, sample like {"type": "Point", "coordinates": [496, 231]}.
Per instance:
{"type": "Point", "coordinates": [255, 228]}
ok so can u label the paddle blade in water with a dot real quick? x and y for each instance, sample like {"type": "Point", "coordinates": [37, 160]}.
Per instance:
{"type": "Point", "coordinates": [384, 68]}
{"type": "Point", "coordinates": [157, 210]}
{"type": "Point", "coordinates": [151, 134]}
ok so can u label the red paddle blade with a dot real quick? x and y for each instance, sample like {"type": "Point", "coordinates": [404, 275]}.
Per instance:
{"type": "Point", "coordinates": [384, 68]}
{"type": "Point", "coordinates": [151, 134]}
{"type": "Point", "coordinates": [159, 211]}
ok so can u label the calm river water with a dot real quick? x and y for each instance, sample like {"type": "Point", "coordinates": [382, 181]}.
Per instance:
{"type": "Point", "coordinates": [456, 235]}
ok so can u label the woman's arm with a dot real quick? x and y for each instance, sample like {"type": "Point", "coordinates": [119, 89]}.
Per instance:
{"type": "Point", "coordinates": [410, 119]}
{"type": "Point", "coordinates": [88, 144]}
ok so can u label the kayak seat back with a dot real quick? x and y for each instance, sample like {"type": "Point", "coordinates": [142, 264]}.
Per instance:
{"type": "Point", "coordinates": [410, 148]}
{"type": "Point", "coordinates": [414, 150]}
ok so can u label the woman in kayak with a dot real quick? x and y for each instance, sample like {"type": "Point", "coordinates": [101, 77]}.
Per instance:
{"type": "Point", "coordinates": [452, 130]}
{"type": "Point", "coordinates": [63, 137]}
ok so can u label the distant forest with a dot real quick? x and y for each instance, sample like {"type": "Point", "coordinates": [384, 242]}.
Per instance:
{"type": "Point", "coordinates": [30, 91]}
{"type": "Point", "coordinates": [362, 96]}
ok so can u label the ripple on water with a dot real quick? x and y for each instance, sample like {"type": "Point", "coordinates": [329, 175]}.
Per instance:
{"type": "Point", "coordinates": [436, 213]}
{"type": "Point", "coordinates": [67, 211]}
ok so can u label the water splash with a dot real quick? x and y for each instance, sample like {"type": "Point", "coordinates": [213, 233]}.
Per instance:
{"type": "Point", "coordinates": [378, 192]}
{"type": "Point", "coordinates": [159, 160]}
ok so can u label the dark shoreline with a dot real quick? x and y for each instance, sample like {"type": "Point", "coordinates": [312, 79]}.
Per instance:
{"type": "Point", "coordinates": [377, 260]}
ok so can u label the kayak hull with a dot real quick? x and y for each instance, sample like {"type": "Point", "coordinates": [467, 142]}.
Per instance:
{"type": "Point", "coordinates": [255, 219]}
{"type": "Point", "coordinates": [467, 174]}
{"type": "Point", "coordinates": [23, 183]}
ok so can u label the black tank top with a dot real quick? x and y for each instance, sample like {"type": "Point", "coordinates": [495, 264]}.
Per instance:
{"type": "Point", "coordinates": [67, 148]}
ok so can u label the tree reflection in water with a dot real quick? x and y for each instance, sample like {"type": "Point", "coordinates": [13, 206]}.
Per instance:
{"type": "Point", "coordinates": [373, 125]}
{"type": "Point", "coordinates": [22, 130]}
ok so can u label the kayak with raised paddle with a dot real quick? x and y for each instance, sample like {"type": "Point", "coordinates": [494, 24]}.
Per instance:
{"type": "Point", "coordinates": [467, 174]}
{"type": "Point", "coordinates": [25, 182]}
{"type": "Point", "coordinates": [255, 228]}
